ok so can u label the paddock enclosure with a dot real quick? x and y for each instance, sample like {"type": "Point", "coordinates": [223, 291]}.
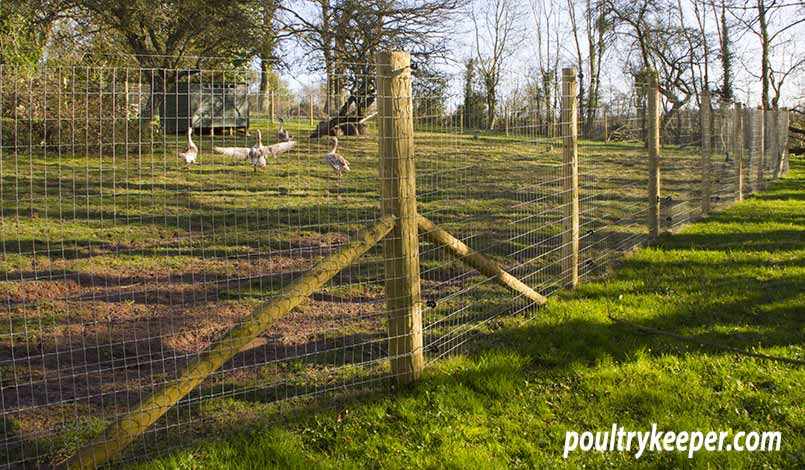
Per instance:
{"type": "Point", "coordinates": [120, 265]}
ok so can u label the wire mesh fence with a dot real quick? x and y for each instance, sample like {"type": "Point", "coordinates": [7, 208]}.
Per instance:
{"type": "Point", "coordinates": [146, 213]}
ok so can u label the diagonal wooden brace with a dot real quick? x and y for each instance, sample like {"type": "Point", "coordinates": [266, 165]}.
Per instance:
{"type": "Point", "coordinates": [436, 235]}
{"type": "Point", "coordinates": [133, 424]}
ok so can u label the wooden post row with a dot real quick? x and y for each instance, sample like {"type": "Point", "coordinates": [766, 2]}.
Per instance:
{"type": "Point", "coordinates": [707, 149]}
{"type": "Point", "coordinates": [570, 179]}
{"type": "Point", "coordinates": [738, 142]}
{"type": "Point", "coordinates": [653, 117]}
{"type": "Point", "coordinates": [398, 198]}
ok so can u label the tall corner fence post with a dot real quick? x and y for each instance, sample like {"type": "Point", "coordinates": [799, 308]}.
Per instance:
{"type": "Point", "coordinates": [738, 143]}
{"type": "Point", "coordinates": [398, 198]}
{"type": "Point", "coordinates": [570, 181]}
{"type": "Point", "coordinates": [706, 116]}
{"type": "Point", "coordinates": [653, 127]}
{"type": "Point", "coordinates": [761, 152]}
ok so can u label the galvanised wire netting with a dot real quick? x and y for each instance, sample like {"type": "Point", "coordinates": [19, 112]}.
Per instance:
{"type": "Point", "coordinates": [126, 253]}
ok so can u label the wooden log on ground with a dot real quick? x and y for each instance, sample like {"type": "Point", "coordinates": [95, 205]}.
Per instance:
{"type": "Point", "coordinates": [438, 236]}
{"type": "Point", "coordinates": [340, 125]}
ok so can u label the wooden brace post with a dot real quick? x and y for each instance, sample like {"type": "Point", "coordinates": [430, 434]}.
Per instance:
{"type": "Point", "coordinates": [438, 236]}
{"type": "Point", "coordinates": [133, 424]}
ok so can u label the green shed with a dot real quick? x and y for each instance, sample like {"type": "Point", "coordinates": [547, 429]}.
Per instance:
{"type": "Point", "coordinates": [205, 107]}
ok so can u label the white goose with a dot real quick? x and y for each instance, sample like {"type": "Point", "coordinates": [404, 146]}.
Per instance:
{"type": "Point", "coordinates": [257, 153]}
{"type": "Point", "coordinates": [190, 152]}
{"type": "Point", "coordinates": [338, 163]}
{"type": "Point", "coordinates": [282, 134]}
{"type": "Point", "coordinates": [238, 153]}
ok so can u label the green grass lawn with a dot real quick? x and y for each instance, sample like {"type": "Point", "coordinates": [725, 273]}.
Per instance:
{"type": "Point", "coordinates": [736, 278]}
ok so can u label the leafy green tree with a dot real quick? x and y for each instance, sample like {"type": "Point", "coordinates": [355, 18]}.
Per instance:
{"type": "Point", "coordinates": [24, 29]}
{"type": "Point", "coordinates": [171, 35]}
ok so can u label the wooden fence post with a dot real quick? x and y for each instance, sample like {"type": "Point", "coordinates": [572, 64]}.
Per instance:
{"type": "Point", "coordinates": [749, 144]}
{"type": "Point", "coordinates": [738, 144]}
{"type": "Point", "coordinates": [126, 90]}
{"type": "Point", "coordinates": [570, 180]}
{"type": "Point", "coordinates": [310, 109]}
{"type": "Point", "coordinates": [606, 125]}
{"type": "Point", "coordinates": [761, 132]}
{"type": "Point", "coordinates": [780, 119]}
{"type": "Point", "coordinates": [653, 128]}
{"type": "Point", "coordinates": [772, 142]}
{"type": "Point", "coordinates": [398, 198]}
{"type": "Point", "coordinates": [706, 117]}
{"type": "Point", "coordinates": [784, 139]}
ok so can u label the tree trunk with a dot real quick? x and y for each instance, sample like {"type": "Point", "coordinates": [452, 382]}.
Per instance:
{"type": "Point", "coordinates": [491, 104]}
{"type": "Point", "coordinates": [264, 100]}
{"type": "Point", "coordinates": [592, 98]}
{"type": "Point", "coordinates": [328, 56]}
{"type": "Point", "coordinates": [490, 80]}
{"type": "Point", "coordinates": [153, 107]}
{"type": "Point", "coordinates": [764, 44]}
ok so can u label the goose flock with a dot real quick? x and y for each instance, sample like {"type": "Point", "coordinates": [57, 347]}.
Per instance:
{"type": "Point", "coordinates": [258, 153]}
